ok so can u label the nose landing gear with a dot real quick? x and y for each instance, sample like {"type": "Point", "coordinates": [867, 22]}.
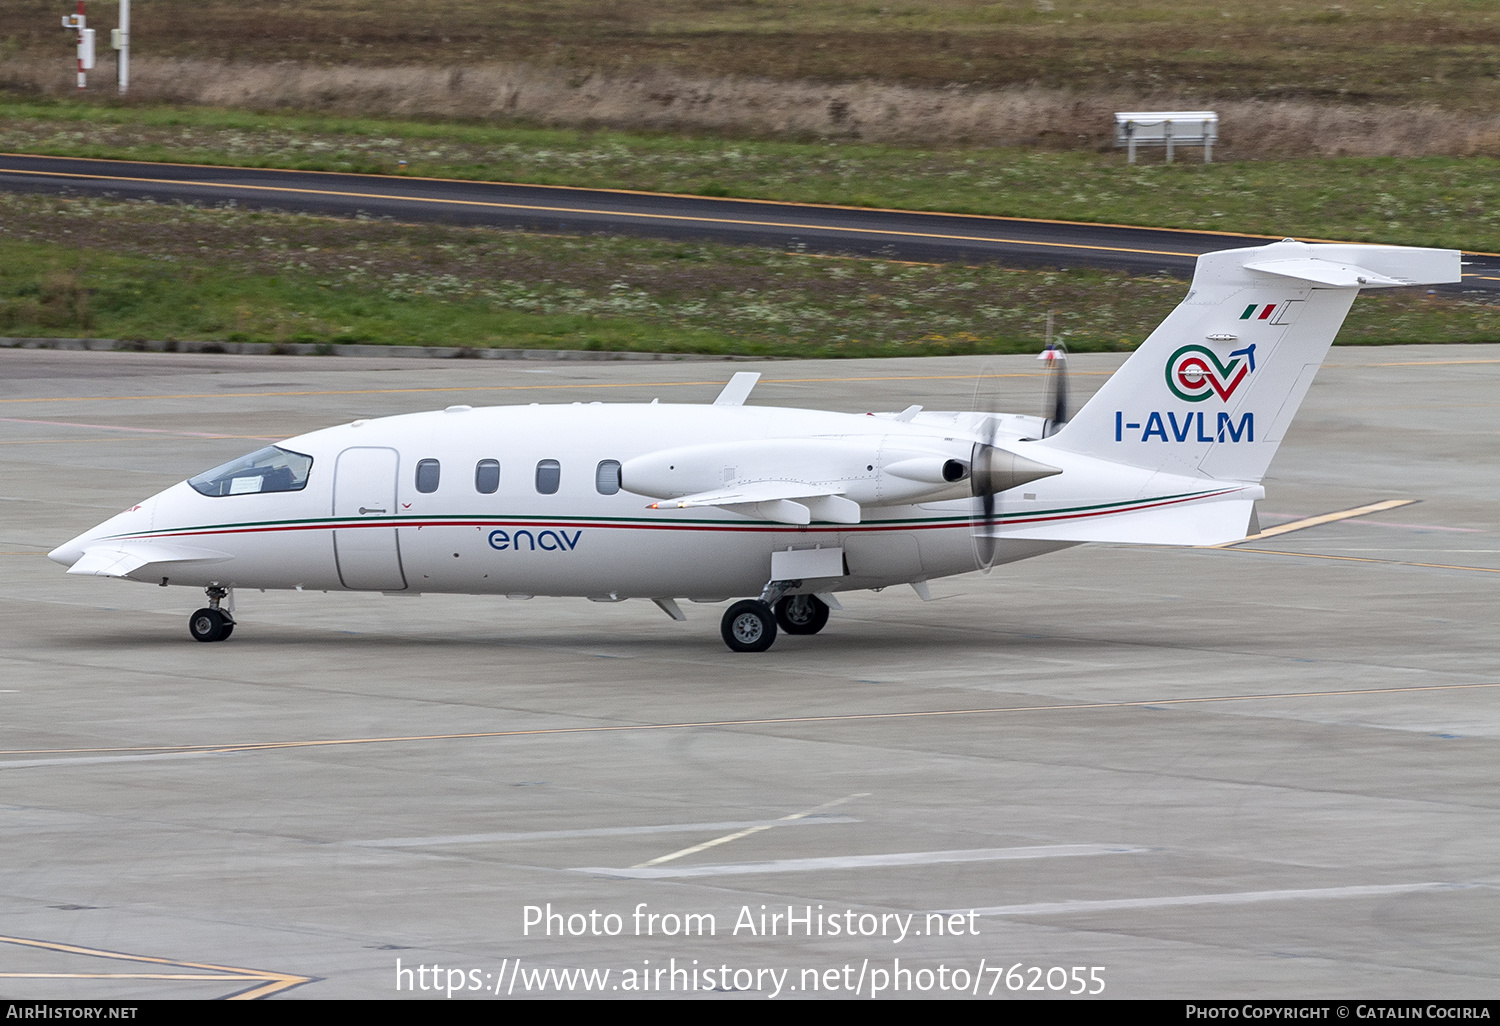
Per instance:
{"type": "Point", "coordinates": [212, 623]}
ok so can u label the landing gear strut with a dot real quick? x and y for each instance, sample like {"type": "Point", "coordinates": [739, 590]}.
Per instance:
{"type": "Point", "coordinates": [748, 626]}
{"type": "Point", "coordinates": [212, 623]}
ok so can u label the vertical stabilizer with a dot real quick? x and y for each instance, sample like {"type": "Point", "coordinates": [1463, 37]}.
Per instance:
{"type": "Point", "coordinates": [1212, 390]}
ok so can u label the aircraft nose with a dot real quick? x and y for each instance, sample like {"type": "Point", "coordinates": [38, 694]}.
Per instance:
{"type": "Point", "coordinates": [132, 519]}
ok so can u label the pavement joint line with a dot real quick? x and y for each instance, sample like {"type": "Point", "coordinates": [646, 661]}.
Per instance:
{"type": "Point", "coordinates": [563, 385]}
{"type": "Point", "coordinates": [271, 982]}
{"type": "Point", "coordinates": [1431, 363]}
{"type": "Point", "coordinates": [251, 746]}
{"type": "Point", "coordinates": [1371, 559]}
{"type": "Point", "coordinates": [75, 441]}
{"type": "Point", "coordinates": [1325, 518]}
{"type": "Point", "coordinates": [586, 211]}
{"type": "Point", "coordinates": [121, 427]}
{"type": "Point", "coordinates": [524, 836]}
{"type": "Point", "coordinates": [694, 849]}
{"type": "Point", "coordinates": [1230, 898]}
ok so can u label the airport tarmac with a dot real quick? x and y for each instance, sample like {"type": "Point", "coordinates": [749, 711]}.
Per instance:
{"type": "Point", "coordinates": [1263, 771]}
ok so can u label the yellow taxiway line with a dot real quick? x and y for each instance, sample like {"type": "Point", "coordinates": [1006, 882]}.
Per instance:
{"type": "Point", "coordinates": [550, 385]}
{"type": "Point", "coordinates": [269, 982]}
{"type": "Point", "coordinates": [744, 200]}
{"type": "Point", "coordinates": [637, 215]}
{"type": "Point", "coordinates": [1326, 518]}
{"type": "Point", "coordinates": [1371, 559]}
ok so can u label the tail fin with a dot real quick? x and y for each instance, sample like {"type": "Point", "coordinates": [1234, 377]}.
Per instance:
{"type": "Point", "coordinates": [1210, 393]}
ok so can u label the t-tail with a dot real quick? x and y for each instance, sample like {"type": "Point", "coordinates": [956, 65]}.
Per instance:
{"type": "Point", "coordinates": [1211, 392]}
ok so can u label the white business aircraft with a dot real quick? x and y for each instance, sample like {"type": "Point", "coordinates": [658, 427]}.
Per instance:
{"type": "Point", "coordinates": [780, 508]}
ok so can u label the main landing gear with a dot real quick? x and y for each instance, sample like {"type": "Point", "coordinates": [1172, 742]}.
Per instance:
{"type": "Point", "coordinates": [750, 625]}
{"type": "Point", "coordinates": [212, 623]}
{"type": "Point", "coordinates": [802, 614]}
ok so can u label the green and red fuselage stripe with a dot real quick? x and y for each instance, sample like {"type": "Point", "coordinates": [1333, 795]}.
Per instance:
{"type": "Point", "coordinates": [643, 524]}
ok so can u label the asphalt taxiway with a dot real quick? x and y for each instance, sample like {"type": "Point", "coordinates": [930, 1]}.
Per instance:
{"type": "Point", "coordinates": [800, 227]}
{"type": "Point", "coordinates": [1267, 770]}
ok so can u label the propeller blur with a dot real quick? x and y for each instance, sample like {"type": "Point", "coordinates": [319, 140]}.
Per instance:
{"type": "Point", "coordinates": [778, 508]}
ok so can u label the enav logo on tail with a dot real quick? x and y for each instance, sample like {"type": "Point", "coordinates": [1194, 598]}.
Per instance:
{"type": "Point", "coordinates": [1194, 372]}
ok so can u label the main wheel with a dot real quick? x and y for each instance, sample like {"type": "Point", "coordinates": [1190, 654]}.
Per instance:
{"type": "Point", "coordinates": [748, 626]}
{"type": "Point", "coordinates": [802, 614]}
{"type": "Point", "coordinates": [209, 625]}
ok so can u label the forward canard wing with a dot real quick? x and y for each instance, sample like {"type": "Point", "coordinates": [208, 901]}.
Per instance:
{"type": "Point", "coordinates": [139, 559]}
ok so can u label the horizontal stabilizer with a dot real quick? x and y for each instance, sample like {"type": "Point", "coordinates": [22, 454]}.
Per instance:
{"type": "Point", "coordinates": [1349, 266]}
{"type": "Point", "coordinates": [1327, 272]}
{"type": "Point", "coordinates": [126, 560]}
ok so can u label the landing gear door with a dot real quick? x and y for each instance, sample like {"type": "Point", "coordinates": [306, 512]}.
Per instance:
{"type": "Point", "coordinates": [364, 503]}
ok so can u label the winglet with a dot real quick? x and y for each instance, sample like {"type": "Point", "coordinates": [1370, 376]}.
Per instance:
{"type": "Point", "coordinates": [738, 390]}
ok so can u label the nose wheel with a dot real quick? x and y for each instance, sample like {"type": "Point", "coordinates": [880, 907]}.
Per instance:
{"type": "Point", "coordinates": [212, 623]}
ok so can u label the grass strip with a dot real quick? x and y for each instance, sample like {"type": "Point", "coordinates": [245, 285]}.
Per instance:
{"type": "Point", "coordinates": [137, 270]}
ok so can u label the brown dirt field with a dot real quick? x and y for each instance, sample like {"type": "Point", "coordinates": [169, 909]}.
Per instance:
{"type": "Point", "coordinates": [1358, 77]}
{"type": "Point", "coordinates": [1435, 50]}
{"type": "Point", "coordinates": [663, 100]}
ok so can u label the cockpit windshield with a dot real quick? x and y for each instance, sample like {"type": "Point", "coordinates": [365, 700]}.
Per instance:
{"type": "Point", "coordinates": [271, 469]}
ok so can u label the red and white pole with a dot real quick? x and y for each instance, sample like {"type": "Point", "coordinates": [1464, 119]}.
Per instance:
{"type": "Point", "coordinates": [123, 63]}
{"type": "Point", "coordinates": [83, 79]}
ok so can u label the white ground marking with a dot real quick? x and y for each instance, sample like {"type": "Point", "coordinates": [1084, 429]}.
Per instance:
{"type": "Point", "coordinates": [908, 858]}
{"type": "Point", "coordinates": [548, 835]}
{"type": "Point", "coordinates": [784, 820]}
{"type": "Point", "coordinates": [1053, 908]}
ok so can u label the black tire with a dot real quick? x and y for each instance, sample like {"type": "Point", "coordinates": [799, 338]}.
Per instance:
{"type": "Point", "coordinates": [802, 614]}
{"type": "Point", "coordinates": [208, 625]}
{"type": "Point", "coordinates": [748, 626]}
{"type": "Point", "coordinates": [228, 630]}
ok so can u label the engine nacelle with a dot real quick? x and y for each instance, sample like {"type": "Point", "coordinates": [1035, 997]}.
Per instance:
{"type": "Point", "coordinates": [872, 471]}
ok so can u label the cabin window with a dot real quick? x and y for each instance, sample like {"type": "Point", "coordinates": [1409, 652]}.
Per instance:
{"type": "Point", "coordinates": [487, 477]}
{"type": "Point", "coordinates": [271, 469]}
{"type": "Point", "coordinates": [548, 474]}
{"type": "Point", "coordinates": [428, 472]}
{"type": "Point", "coordinates": [607, 477]}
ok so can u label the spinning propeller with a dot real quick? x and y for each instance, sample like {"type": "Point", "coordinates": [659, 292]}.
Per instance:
{"type": "Point", "coordinates": [993, 470]}
{"type": "Point", "coordinates": [1055, 413]}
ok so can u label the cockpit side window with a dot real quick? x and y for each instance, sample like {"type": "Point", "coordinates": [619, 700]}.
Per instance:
{"type": "Point", "coordinates": [271, 469]}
